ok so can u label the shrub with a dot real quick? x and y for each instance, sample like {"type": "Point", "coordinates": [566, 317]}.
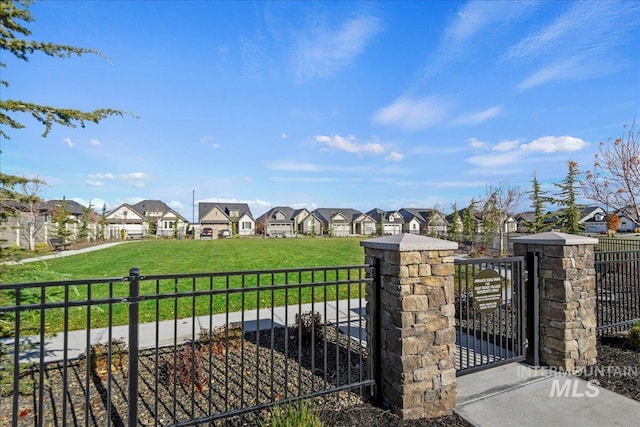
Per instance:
{"type": "Point", "coordinates": [306, 327]}
{"type": "Point", "coordinates": [99, 358]}
{"type": "Point", "coordinates": [294, 415]}
{"type": "Point", "coordinates": [634, 336]}
{"type": "Point", "coordinates": [220, 339]}
{"type": "Point", "coordinates": [41, 247]}
{"type": "Point", "coordinates": [186, 368]}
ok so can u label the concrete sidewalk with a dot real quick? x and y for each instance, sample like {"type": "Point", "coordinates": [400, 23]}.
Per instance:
{"type": "Point", "coordinates": [347, 315]}
{"type": "Point", "coordinates": [516, 394]}
{"type": "Point", "coordinates": [60, 254]}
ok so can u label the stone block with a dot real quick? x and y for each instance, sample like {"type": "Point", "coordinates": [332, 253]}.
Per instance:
{"type": "Point", "coordinates": [426, 374]}
{"type": "Point", "coordinates": [424, 270]}
{"type": "Point", "coordinates": [442, 269]}
{"type": "Point", "coordinates": [445, 336]}
{"type": "Point", "coordinates": [413, 257]}
{"type": "Point", "coordinates": [415, 303]}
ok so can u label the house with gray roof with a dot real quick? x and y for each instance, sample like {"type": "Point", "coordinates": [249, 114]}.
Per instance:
{"type": "Point", "coordinates": [388, 222]}
{"type": "Point", "coordinates": [334, 222]}
{"type": "Point", "coordinates": [281, 221]}
{"type": "Point", "coordinates": [424, 221]}
{"type": "Point", "coordinates": [234, 219]}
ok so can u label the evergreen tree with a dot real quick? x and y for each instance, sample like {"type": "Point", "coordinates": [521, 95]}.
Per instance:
{"type": "Point", "coordinates": [102, 222]}
{"type": "Point", "coordinates": [14, 15]}
{"type": "Point", "coordinates": [538, 200]}
{"type": "Point", "coordinates": [455, 230]}
{"type": "Point", "coordinates": [469, 220]}
{"type": "Point", "coordinates": [61, 216]}
{"type": "Point", "coordinates": [566, 198]}
{"type": "Point", "coordinates": [83, 233]}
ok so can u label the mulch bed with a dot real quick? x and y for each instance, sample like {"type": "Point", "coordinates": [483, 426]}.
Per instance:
{"type": "Point", "coordinates": [252, 372]}
{"type": "Point", "coordinates": [618, 368]}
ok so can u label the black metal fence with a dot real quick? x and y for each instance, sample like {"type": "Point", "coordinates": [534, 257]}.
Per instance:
{"type": "Point", "coordinates": [617, 290]}
{"type": "Point", "coordinates": [607, 244]}
{"type": "Point", "coordinates": [209, 348]}
{"type": "Point", "coordinates": [490, 324]}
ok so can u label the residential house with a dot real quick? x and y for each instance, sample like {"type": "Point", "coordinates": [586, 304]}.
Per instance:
{"type": "Point", "coordinates": [282, 221]}
{"type": "Point", "coordinates": [363, 225]}
{"type": "Point", "coordinates": [629, 221]}
{"type": "Point", "coordinates": [594, 216]}
{"type": "Point", "coordinates": [232, 218]}
{"type": "Point", "coordinates": [126, 222]}
{"type": "Point", "coordinates": [523, 221]}
{"type": "Point", "coordinates": [387, 222]}
{"type": "Point", "coordinates": [26, 225]}
{"type": "Point", "coordinates": [424, 221]}
{"type": "Point", "coordinates": [334, 222]}
{"type": "Point", "coordinates": [161, 219]}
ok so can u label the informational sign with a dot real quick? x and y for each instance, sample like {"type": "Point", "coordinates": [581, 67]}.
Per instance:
{"type": "Point", "coordinates": [487, 291]}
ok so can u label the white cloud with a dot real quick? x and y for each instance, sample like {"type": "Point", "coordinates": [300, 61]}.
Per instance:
{"type": "Point", "coordinates": [413, 114]}
{"type": "Point", "coordinates": [559, 71]}
{"type": "Point", "coordinates": [135, 179]}
{"type": "Point", "coordinates": [551, 144]}
{"type": "Point", "coordinates": [215, 146]}
{"type": "Point", "coordinates": [505, 145]}
{"type": "Point", "coordinates": [68, 141]}
{"type": "Point", "coordinates": [395, 156]}
{"type": "Point", "coordinates": [95, 142]}
{"type": "Point", "coordinates": [322, 51]}
{"type": "Point", "coordinates": [350, 144]}
{"type": "Point", "coordinates": [284, 136]}
{"type": "Point", "coordinates": [94, 183]}
{"type": "Point", "coordinates": [475, 143]}
{"type": "Point", "coordinates": [107, 175]}
{"type": "Point", "coordinates": [205, 139]}
{"type": "Point", "coordinates": [600, 25]}
{"type": "Point", "coordinates": [494, 160]}
{"type": "Point", "coordinates": [477, 117]}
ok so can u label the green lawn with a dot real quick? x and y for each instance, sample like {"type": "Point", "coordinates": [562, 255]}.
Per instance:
{"type": "Point", "coordinates": [192, 256]}
{"type": "Point", "coordinates": [160, 257]}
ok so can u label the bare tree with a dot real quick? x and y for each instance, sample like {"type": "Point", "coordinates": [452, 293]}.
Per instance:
{"type": "Point", "coordinates": [615, 178]}
{"type": "Point", "coordinates": [499, 204]}
{"type": "Point", "coordinates": [31, 203]}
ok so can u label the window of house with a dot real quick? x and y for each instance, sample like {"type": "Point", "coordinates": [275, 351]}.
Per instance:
{"type": "Point", "coordinates": [246, 225]}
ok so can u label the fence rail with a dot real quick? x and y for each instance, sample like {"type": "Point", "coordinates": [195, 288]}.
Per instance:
{"type": "Point", "coordinates": [608, 244]}
{"type": "Point", "coordinates": [617, 290]}
{"type": "Point", "coordinates": [180, 349]}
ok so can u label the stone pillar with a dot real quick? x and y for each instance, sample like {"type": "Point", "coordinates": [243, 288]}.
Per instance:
{"type": "Point", "coordinates": [416, 329]}
{"type": "Point", "coordinates": [567, 289]}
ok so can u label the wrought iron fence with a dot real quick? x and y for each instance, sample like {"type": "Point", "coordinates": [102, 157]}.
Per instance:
{"type": "Point", "coordinates": [170, 350]}
{"type": "Point", "coordinates": [617, 290]}
{"type": "Point", "coordinates": [615, 244]}
{"type": "Point", "coordinates": [490, 327]}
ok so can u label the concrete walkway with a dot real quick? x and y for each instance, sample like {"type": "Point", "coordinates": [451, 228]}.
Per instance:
{"type": "Point", "coordinates": [60, 254]}
{"type": "Point", "coordinates": [517, 395]}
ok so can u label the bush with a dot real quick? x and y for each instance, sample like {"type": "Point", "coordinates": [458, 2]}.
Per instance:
{"type": "Point", "coordinates": [185, 369]}
{"type": "Point", "coordinates": [306, 327]}
{"type": "Point", "coordinates": [294, 415]}
{"type": "Point", "coordinates": [634, 336]}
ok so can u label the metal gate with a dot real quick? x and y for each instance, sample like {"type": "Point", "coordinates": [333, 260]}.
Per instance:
{"type": "Point", "coordinates": [490, 312]}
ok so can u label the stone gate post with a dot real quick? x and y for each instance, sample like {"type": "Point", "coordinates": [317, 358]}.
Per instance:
{"type": "Point", "coordinates": [567, 290]}
{"type": "Point", "coordinates": [411, 323]}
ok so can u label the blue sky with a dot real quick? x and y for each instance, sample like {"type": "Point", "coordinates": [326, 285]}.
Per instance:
{"type": "Point", "coordinates": [323, 104]}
